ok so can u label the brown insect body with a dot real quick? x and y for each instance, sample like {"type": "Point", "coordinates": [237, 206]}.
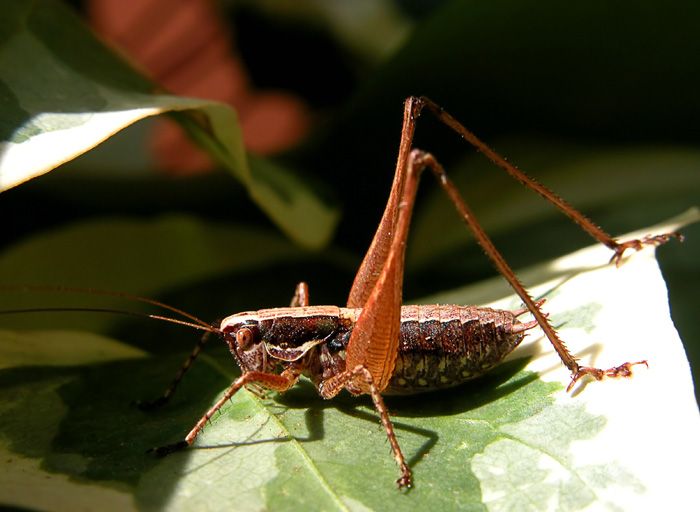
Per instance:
{"type": "Point", "coordinates": [439, 346]}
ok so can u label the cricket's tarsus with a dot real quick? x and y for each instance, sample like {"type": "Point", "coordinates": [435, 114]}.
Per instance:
{"type": "Point", "coordinates": [624, 370]}
{"type": "Point", "coordinates": [638, 244]}
{"type": "Point", "coordinates": [373, 345]}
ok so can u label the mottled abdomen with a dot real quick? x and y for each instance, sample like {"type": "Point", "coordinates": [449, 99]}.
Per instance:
{"type": "Point", "coordinates": [442, 346]}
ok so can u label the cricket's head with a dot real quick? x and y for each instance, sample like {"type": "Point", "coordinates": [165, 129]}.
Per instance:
{"type": "Point", "coordinates": [243, 335]}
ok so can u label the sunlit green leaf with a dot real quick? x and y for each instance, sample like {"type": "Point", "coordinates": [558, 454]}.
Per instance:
{"type": "Point", "coordinates": [513, 440]}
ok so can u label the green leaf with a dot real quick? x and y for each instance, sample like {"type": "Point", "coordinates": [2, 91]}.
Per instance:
{"type": "Point", "coordinates": [512, 440]}
{"type": "Point", "coordinates": [116, 254]}
{"type": "Point", "coordinates": [63, 93]}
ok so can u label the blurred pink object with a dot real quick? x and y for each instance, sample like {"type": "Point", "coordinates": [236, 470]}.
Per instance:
{"type": "Point", "coordinates": [183, 46]}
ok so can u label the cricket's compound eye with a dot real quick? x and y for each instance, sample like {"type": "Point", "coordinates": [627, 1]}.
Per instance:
{"type": "Point", "coordinates": [244, 338]}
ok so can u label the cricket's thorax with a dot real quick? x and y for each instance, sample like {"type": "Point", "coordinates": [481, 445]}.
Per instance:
{"type": "Point", "coordinates": [439, 346]}
{"type": "Point", "coordinates": [289, 333]}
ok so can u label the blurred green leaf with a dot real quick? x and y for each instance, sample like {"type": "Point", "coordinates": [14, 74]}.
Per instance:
{"type": "Point", "coordinates": [75, 94]}
{"type": "Point", "coordinates": [172, 251]}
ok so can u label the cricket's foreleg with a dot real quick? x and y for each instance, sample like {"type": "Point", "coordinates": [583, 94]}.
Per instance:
{"type": "Point", "coordinates": [274, 382]}
{"type": "Point", "coordinates": [162, 400]}
{"type": "Point", "coordinates": [334, 385]}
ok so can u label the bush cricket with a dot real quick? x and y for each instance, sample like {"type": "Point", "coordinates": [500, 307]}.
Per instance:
{"type": "Point", "coordinates": [374, 345]}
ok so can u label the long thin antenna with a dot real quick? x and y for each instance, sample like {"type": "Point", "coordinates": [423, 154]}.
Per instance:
{"type": "Point", "coordinates": [208, 328]}
{"type": "Point", "coordinates": [197, 323]}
